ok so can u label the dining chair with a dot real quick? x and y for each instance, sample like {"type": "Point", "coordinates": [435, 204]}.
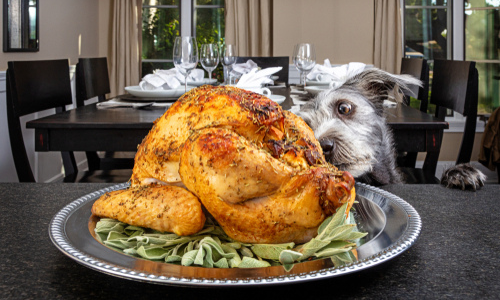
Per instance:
{"type": "Point", "coordinates": [92, 81]}
{"type": "Point", "coordinates": [267, 62]}
{"type": "Point", "coordinates": [454, 87]}
{"type": "Point", "coordinates": [35, 86]}
{"type": "Point", "coordinates": [419, 69]}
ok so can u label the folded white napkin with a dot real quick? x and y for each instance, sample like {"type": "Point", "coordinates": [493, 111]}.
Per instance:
{"type": "Point", "coordinates": [195, 75]}
{"type": "Point", "coordinates": [257, 77]}
{"type": "Point", "coordinates": [168, 79]}
{"type": "Point", "coordinates": [244, 68]}
{"type": "Point", "coordinates": [325, 68]}
{"type": "Point", "coordinates": [339, 74]}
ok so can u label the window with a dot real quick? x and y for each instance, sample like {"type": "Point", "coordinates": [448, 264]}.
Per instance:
{"type": "Point", "coordinates": [482, 45]}
{"type": "Point", "coordinates": [470, 30]}
{"type": "Point", "coordinates": [428, 34]}
{"type": "Point", "coordinates": [163, 20]}
{"type": "Point", "coordinates": [427, 29]}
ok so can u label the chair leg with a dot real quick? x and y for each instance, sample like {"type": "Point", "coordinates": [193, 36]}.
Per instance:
{"type": "Point", "coordinates": [406, 159]}
{"type": "Point", "coordinates": [93, 161]}
{"type": "Point", "coordinates": [69, 163]}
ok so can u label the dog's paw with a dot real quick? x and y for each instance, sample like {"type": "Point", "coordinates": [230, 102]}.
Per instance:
{"type": "Point", "coordinates": [463, 176]}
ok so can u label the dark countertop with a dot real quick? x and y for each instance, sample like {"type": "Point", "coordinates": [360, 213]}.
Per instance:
{"type": "Point", "coordinates": [455, 257]}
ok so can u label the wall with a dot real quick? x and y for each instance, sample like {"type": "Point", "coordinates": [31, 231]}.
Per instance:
{"type": "Point", "coordinates": [342, 31]}
{"type": "Point", "coordinates": [68, 29]}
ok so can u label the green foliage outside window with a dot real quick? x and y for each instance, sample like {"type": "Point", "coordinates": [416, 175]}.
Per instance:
{"type": "Point", "coordinates": [160, 26]}
{"type": "Point", "coordinates": [210, 28]}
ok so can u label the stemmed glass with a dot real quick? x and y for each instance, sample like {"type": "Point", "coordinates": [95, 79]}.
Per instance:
{"type": "Point", "coordinates": [304, 58]}
{"type": "Point", "coordinates": [185, 56]}
{"type": "Point", "coordinates": [209, 58]}
{"type": "Point", "coordinates": [228, 54]}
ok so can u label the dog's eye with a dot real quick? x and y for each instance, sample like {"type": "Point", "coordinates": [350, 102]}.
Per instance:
{"type": "Point", "coordinates": [344, 108]}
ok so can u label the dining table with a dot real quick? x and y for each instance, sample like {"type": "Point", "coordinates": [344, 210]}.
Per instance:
{"type": "Point", "coordinates": [455, 256]}
{"type": "Point", "coordinates": [90, 128]}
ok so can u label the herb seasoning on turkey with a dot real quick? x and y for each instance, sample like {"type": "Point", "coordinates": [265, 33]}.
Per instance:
{"type": "Point", "coordinates": [256, 169]}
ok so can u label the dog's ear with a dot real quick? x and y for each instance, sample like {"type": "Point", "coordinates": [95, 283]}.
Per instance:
{"type": "Point", "coordinates": [378, 85]}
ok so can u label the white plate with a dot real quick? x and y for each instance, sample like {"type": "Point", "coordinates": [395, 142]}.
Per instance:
{"type": "Point", "coordinates": [277, 98]}
{"type": "Point", "coordinates": [314, 90]}
{"type": "Point", "coordinates": [275, 77]}
{"type": "Point", "coordinates": [317, 83]}
{"type": "Point", "coordinates": [203, 82]}
{"type": "Point", "coordinates": [136, 91]}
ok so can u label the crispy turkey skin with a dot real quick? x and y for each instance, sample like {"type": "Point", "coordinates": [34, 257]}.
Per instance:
{"type": "Point", "coordinates": [258, 170]}
{"type": "Point", "coordinates": [163, 208]}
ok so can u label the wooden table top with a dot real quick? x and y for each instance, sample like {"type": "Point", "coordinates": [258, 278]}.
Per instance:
{"type": "Point", "coordinates": [91, 117]}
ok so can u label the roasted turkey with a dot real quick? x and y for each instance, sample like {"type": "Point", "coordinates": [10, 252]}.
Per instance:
{"type": "Point", "coordinates": [256, 169]}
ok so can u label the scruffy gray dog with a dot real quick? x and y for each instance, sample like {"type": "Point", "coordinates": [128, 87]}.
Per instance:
{"type": "Point", "coordinates": [349, 123]}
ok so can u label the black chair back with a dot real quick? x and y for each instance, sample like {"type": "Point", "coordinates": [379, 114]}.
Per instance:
{"type": "Point", "coordinates": [92, 79]}
{"type": "Point", "coordinates": [34, 86]}
{"type": "Point", "coordinates": [455, 87]}
{"type": "Point", "coordinates": [267, 62]}
{"type": "Point", "coordinates": [418, 68]}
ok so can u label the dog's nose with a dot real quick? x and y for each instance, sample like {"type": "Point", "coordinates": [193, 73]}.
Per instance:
{"type": "Point", "coordinates": [327, 145]}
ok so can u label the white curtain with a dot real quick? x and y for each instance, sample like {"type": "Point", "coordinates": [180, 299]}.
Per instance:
{"type": "Point", "coordinates": [388, 32]}
{"type": "Point", "coordinates": [125, 45]}
{"type": "Point", "coordinates": [249, 26]}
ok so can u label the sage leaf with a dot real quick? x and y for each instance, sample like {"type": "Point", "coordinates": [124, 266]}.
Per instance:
{"type": "Point", "coordinates": [198, 260]}
{"type": "Point", "coordinates": [356, 235]}
{"type": "Point", "coordinates": [156, 253]}
{"type": "Point", "coordinates": [289, 257]}
{"type": "Point", "coordinates": [189, 257]}
{"type": "Point", "coordinates": [222, 263]}
{"type": "Point", "coordinates": [249, 262]}
{"type": "Point", "coordinates": [339, 233]}
{"type": "Point", "coordinates": [133, 230]}
{"type": "Point", "coordinates": [338, 219]}
{"type": "Point", "coordinates": [270, 251]}
{"type": "Point", "coordinates": [246, 251]}
{"type": "Point", "coordinates": [173, 258]}
{"type": "Point", "coordinates": [130, 251]}
{"type": "Point", "coordinates": [344, 257]}
{"type": "Point", "coordinates": [234, 245]}
{"type": "Point", "coordinates": [235, 260]}
{"type": "Point", "coordinates": [314, 245]}
{"type": "Point", "coordinates": [120, 244]}
{"type": "Point", "coordinates": [331, 252]}
{"type": "Point", "coordinates": [113, 235]}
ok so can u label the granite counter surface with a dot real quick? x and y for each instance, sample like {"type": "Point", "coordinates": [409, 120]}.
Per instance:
{"type": "Point", "coordinates": [456, 256]}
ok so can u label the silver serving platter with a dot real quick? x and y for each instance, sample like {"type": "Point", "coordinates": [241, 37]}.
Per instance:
{"type": "Point", "coordinates": [392, 224]}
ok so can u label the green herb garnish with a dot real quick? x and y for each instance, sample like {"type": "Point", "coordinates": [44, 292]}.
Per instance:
{"type": "Point", "coordinates": [212, 248]}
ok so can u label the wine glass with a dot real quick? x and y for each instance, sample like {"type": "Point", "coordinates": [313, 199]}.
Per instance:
{"type": "Point", "coordinates": [185, 56]}
{"type": "Point", "coordinates": [209, 58]}
{"type": "Point", "coordinates": [304, 58]}
{"type": "Point", "coordinates": [228, 55]}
